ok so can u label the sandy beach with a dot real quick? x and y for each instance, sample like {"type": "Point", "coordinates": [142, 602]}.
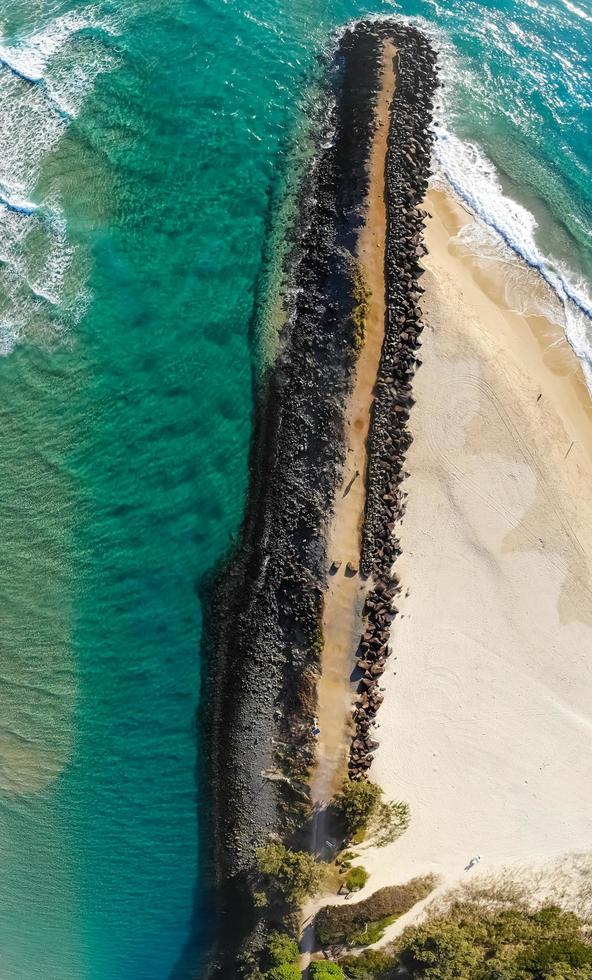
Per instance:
{"type": "Point", "coordinates": [486, 724]}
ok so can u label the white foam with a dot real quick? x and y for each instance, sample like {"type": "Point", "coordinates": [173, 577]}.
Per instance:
{"type": "Point", "coordinates": [12, 202]}
{"type": "Point", "coordinates": [29, 58]}
{"type": "Point", "coordinates": [473, 179]}
{"type": "Point", "coordinates": [465, 170]}
{"type": "Point", "coordinates": [44, 79]}
{"type": "Point", "coordinates": [574, 9]}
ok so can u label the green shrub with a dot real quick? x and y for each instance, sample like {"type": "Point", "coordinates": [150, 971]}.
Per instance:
{"type": "Point", "coordinates": [372, 964]}
{"type": "Point", "coordinates": [346, 925]}
{"type": "Point", "coordinates": [440, 952]}
{"type": "Point", "coordinates": [291, 875]}
{"type": "Point", "coordinates": [323, 969]}
{"type": "Point", "coordinates": [356, 879]}
{"type": "Point", "coordinates": [287, 971]}
{"type": "Point", "coordinates": [574, 952]}
{"type": "Point", "coordinates": [502, 941]}
{"type": "Point", "coordinates": [281, 948]}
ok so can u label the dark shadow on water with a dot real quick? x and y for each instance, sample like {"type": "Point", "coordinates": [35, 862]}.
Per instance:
{"type": "Point", "coordinates": [191, 964]}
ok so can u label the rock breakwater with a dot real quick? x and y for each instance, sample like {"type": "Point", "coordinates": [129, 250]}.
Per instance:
{"type": "Point", "coordinates": [263, 634]}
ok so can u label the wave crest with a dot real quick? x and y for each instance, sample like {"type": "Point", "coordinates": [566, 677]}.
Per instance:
{"type": "Point", "coordinates": [44, 80]}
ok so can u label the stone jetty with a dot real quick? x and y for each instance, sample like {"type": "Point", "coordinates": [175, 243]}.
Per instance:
{"type": "Point", "coordinates": [262, 642]}
{"type": "Point", "coordinates": [264, 608]}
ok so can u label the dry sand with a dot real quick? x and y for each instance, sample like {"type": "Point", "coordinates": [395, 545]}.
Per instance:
{"type": "Point", "coordinates": [486, 727]}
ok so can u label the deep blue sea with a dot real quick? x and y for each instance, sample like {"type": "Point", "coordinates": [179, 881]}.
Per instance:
{"type": "Point", "coordinates": [148, 153]}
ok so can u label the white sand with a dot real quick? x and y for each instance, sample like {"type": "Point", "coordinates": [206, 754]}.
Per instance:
{"type": "Point", "coordinates": [486, 728]}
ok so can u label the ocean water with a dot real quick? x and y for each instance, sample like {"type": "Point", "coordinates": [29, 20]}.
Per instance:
{"type": "Point", "coordinates": [148, 153]}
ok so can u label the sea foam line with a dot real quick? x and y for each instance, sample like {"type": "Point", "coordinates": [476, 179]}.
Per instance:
{"type": "Point", "coordinates": [30, 58]}
{"type": "Point", "coordinates": [19, 72]}
{"type": "Point", "coordinates": [473, 179]}
{"type": "Point", "coordinates": [458, 162]}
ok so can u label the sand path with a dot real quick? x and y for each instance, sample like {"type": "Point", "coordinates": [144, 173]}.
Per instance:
{"type": "Point", "coordinates": [344, 598]}
{"type": "Point", "coordinates": [345, 594]}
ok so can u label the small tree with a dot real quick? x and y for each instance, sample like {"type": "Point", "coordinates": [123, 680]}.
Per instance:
{"type": "Point", "coordinates": [366, 814]}
{"type": "Point", "coordinates": [356, 879]}
{"type": "Point", "coordinates": [287, 971]}
{"type": "Point", "coordinates": [292, 875]}
{"type": "Point", "coordinates": [323, 969]}
{"type": "Point", "coordinates": [281, 948]}
{"type": "Point", "coordinates": [440, 951]}
{"type": "Point", "coordinates": [358, 803]}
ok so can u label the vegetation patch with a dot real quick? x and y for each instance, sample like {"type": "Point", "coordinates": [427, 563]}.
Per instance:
{"type": "Point", "coordinates": [324, 969]}
{"type": "Point", "coordinates": [359, 315]}
{"type": "Point", "coordinates": [287, 971]}
{"type": "Point", "coordinates": [356, 879]}
{"type": "Point", "coordinates": [276, 960]}
{"type": "Point", "coordinates": [498, 944]}
{"type": "Point", "coordinates": [281, 948]}
{"type": "Point", "coordinates": [364, 922]}
{"type": "Point", "coordinates": [357, 804]}
{"type": "Point", "coordinates": [372, 964]}
{"type": "Point", "coordinates": [484, 937]}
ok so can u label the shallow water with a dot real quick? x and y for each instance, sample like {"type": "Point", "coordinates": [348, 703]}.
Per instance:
{"type": "Point", "coordinates": [145, 150]}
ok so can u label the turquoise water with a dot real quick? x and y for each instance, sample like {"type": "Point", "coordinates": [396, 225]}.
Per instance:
{"type": "Point", "coordinates": [145, 148]}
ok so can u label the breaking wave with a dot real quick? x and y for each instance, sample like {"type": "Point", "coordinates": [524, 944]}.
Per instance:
{"type": "Point", "coordinates": [44, 80]}
{"type": "Point", "coordinates": [474, 180]}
